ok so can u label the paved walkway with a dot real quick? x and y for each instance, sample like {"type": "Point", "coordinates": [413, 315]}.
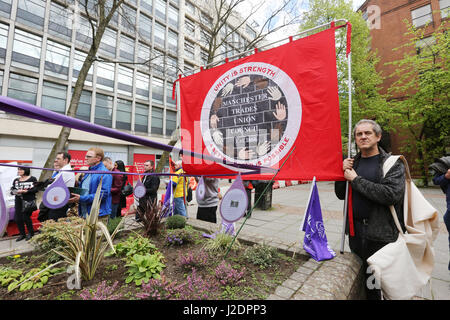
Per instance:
{"type": "Point", "coordinates": [283, 221]}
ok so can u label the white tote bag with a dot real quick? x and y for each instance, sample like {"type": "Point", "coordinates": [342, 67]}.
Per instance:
{"type": "Point", "coordinates": [404, 267]}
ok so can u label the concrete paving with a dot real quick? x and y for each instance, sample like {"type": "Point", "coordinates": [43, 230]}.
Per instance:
{"type": "Point", "coordinates": [283, 221]}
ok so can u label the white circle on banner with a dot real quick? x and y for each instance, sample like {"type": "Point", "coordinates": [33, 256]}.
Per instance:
{"type": "Point", "coordinates": [251, 115]}
{"type": "Point", "coordinates": [56, 196]}
{"type": "Point", "coordinates": [139, 191]}
{"type": "Point", "coordinates": [233, 205]}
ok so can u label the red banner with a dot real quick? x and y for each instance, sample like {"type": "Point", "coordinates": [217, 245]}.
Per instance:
{"type": "Point", "coordinates": [255, 110]}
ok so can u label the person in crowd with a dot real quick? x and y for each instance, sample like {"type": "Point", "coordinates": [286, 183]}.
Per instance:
{"type": "Point", "coordinates": [151, 184]}
{"type": "Point", "coordinates": [443, 180]}
{"type": "Point", "coordinates": [91, 181]}
{"type": "Point", "coordinates": [372, 194]}
{"type": "Point", "coordinates": [178, 187]}
{"type": "Point", "coordinates": [207, 207]}
{"type": "Point", "coordinates": [62, 162]}
{"type": "Point", "coordinates": [116, 187]}
{"type": "Point", "coordinates": [24, 189]}
{"type": "Point", "coordinates": [119, 165]}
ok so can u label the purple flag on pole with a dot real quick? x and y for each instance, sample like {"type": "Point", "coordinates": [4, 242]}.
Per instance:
{"type": "Point", "coordinates": [315, 241]}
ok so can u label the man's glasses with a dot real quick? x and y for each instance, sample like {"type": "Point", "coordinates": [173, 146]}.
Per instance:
{"type": "Point", "coordinates": [88, 157]}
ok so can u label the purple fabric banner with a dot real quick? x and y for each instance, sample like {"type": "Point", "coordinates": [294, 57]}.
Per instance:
{"type": "Point", "coordinates": [31, 111]}
{"type": "Point", "coordinates": [315, 241]}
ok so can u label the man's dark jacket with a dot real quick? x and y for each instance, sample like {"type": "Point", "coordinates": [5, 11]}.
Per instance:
{"type": "Point", "coordinates": [151, 184]}
{"type": "Point", "coordinates": [389, 191]}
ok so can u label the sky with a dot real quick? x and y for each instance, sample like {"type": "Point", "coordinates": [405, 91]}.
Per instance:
{"type": "Point", "coordinates": [267, 7]}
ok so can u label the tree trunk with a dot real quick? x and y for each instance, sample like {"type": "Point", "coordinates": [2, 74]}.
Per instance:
{"type": "Point", "coordinates": [165, 156]}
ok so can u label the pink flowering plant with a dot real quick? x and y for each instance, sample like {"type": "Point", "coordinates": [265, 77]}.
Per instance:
{"type": "Point", "coordinates": [227, 275]}
{"type": "Point", "coordinates": [103, 292]}
{"type": "Point", "coordinates": [192, 260]}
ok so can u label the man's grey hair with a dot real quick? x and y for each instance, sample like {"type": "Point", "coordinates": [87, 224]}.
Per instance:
{"type": "Point", "coordinates": [375, 126]}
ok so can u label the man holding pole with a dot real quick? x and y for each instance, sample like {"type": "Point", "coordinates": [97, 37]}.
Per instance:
{"type": "Point", "coordinates": [369, 221]}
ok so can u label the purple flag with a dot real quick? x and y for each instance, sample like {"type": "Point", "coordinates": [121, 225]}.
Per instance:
{"type": "Point", "coordinates": [167, 206]}
{"type": "Point", "coordinates": [315, 241]}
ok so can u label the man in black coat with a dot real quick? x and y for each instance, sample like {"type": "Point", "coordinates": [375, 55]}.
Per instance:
{"type": "Point", "coordinates": [151, 184]}
{"type": "Point", "coordinates": [372, 194]}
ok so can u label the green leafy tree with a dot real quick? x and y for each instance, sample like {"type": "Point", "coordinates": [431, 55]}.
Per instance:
{"type": "Point", "coordinates": [423, 83]}
{"type": "Point", "coordinates": [367, 102]}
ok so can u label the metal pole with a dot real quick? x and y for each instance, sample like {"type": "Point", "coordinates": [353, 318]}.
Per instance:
{"type": "Point", "coordinates": [349, 61]}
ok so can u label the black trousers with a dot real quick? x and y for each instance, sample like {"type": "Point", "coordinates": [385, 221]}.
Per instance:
{"type": "Point", "coordinates": [22, 220]}
{"type": "Point", "coordinates": [207, 214]}
{"type": "Point", "coordinates": [364, 248]}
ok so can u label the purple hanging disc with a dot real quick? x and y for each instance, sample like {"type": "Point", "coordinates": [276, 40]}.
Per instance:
{"type": "Point", "coordinates": [56, 195]}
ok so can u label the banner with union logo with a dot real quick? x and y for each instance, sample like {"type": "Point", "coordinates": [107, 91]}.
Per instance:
{"type": "Point", "coordinates": [255, 110]}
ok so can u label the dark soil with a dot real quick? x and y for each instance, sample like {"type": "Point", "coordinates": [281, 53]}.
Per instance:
{"type": "Point", "coordinates": [258, 284]}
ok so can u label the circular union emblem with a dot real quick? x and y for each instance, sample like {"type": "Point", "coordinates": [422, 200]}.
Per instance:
{"type": "Point", "coordinates": [251, 114]}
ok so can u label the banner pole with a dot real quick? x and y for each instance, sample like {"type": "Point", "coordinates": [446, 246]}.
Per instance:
{"type": "Point", "coordinates": [349, 61]}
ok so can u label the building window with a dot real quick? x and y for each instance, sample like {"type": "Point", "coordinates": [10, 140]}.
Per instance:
{"type": "Point", "coordinates": [54, 97]}
{"type": "Point", "coordinates": [5, 8]}
{"type": "Point", "coordinates": [125, 81]}
{"type": "Point", "coordinates": [158, 65]}
{"type": "Point", "coordinates": [189, 27]}
{"type": "Point", "coordinates": [251, 33]}
{"type": "Point", "coordinates": [445, 8]}
{"type": "Point", "coordinates": [169, 91]}
{"type": "Point", "coordinates": [78, 61]}
{"type": "Point", "coordinates": [57, 60]}
{"type": "Point", "coordinates": [423, 46]}
{"type": "Point", "coordinates": [190, 8]}
{"type": "Point", "coordinates": [3, 41]}
{"type": "Point", "coordinates": [143, 55]}
{"type": "Point", "coordinates": [84, 32]}
{"type": "Point", "coordinates": [108, 43]}
{"type": "Point", "coordinates": [141, 118]}
{"type": "Point", "coordinates": [172, 41]}
{"type": "Point", "coordinates": [171, 122]}
{"type": "Point", "coordinates": [142, 86]}
{"type": "Point", "coordinates": [147, 5]}
{"type": "Point", "coordinates": [126, 48]}
{"type": "Point", "coordinates": [31, 13]}
{"type": "Point", "coordinates": [173, 17]}
{"type": "Point", "coordinates": [157, 120]}
{"type": "Point", "coordinates": [160, 34]}
{"type": "Point", "coordinates": [103, 110]}
{"type": "Point", "coordinates": [105, 76]}
{"type": "Point", "coordinates": [22, 88]}
{"type": "Point", "coordinates": [60, 23]}
{"type": "Point", "coordinates": [123, 114]}
{"type": "Point", "coordinates": [421, 16]}
{"type": "Point", "coordinates": [172, 67]}
{"type": "Point", "coordinates": [26, 50]}
{"type": "Point", "coordinates": [205, 38]}
{"type": "Point", "coordinates": [129, 19]}
{"type": "Point", "coordinates": [160, 9]}
{"type": "Point", "coordinates": [157, 90]}
{"type": "Point", "coordinates": [84, 106]}
{"type": "Point", "coordinates": [145, 28]}
{"type": "Point", "coordinates": [189, 50]}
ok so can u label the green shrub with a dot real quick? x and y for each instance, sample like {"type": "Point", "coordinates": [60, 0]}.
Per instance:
{"type": "Point", "coordinates": [52, 235]}
{"type": "Point", "coordinates": [175, 222]}
{"type": "Point", "coordinates": [142, 268]}
{"type": "Point", "coordinates": [134, 245]}
{"type": "Point", "coordinates": [113, 223]}
{"type": "Point", "coordinates": [261, 255]}
{"type": "Point", "coordinates": [220, 243]}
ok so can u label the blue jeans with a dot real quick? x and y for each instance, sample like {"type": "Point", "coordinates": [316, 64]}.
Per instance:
{"type": "Point", "coordinates": [179, 207]}
{"type": "Point", "coordinates": [114, 207]}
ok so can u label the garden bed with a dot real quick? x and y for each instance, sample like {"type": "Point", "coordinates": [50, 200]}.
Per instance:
{"type": "Point", "coordinates": [191, 272]}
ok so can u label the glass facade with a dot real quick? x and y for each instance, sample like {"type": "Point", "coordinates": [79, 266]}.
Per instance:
{"type": "Point", "coordinates": [129, 84]}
